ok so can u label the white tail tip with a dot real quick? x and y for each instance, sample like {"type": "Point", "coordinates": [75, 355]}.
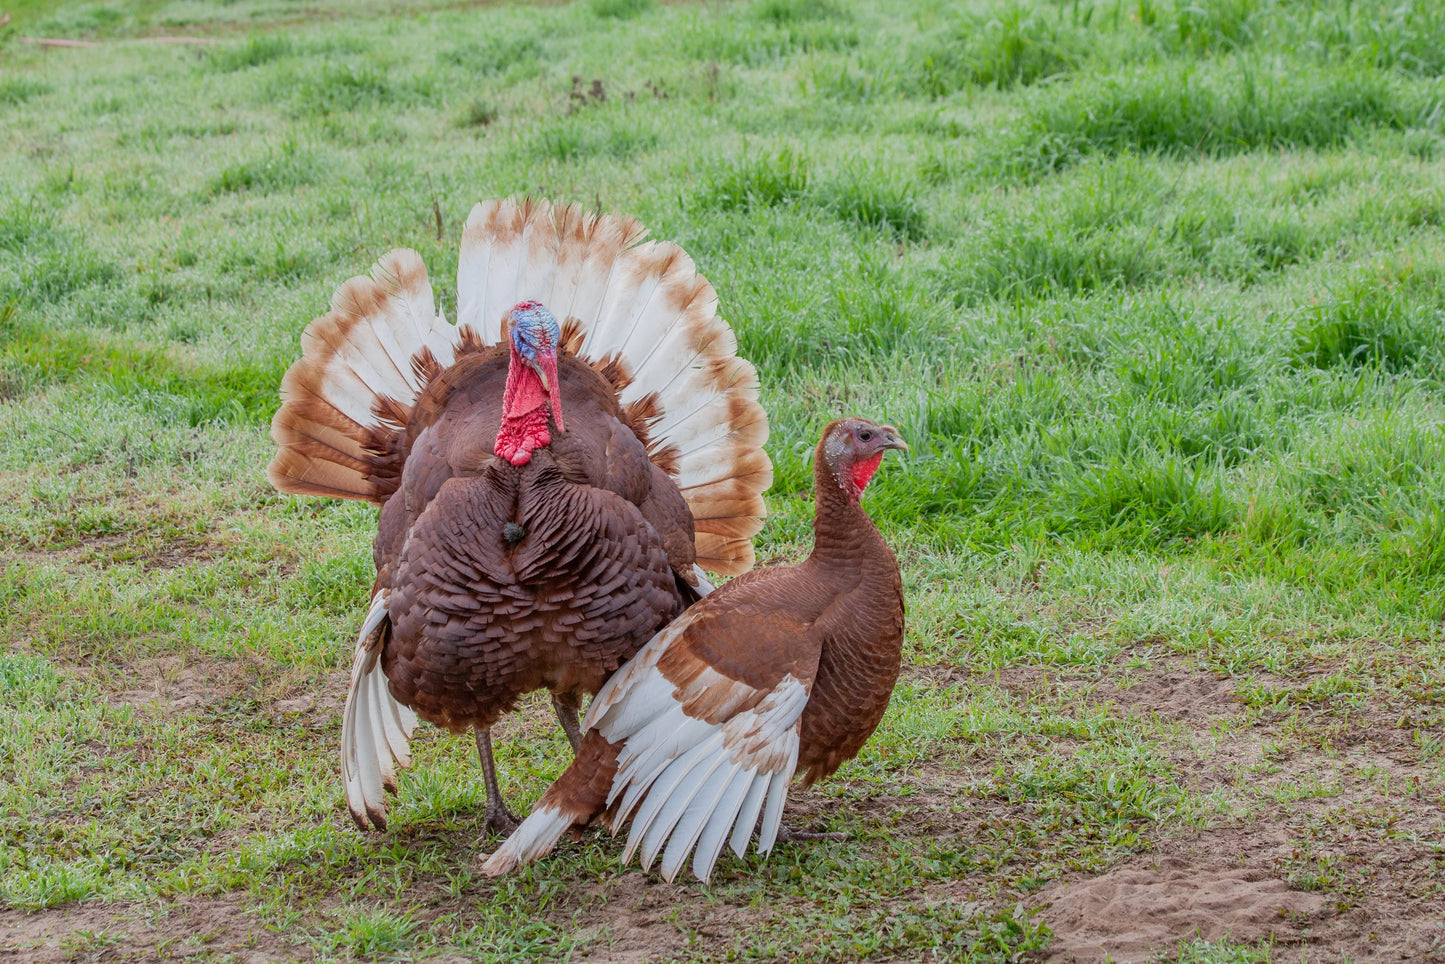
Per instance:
{"type": "Point", "coordinates": [535, 838]}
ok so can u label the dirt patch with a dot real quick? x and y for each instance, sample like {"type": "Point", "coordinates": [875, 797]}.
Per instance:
{"type": "Point", "coordinates": [1322, 880]}
{"type": "Point", "coordinates": [641, 918]}
{"type": "Point", "coordinates": [138, 931]}
{"type": "Point", "coordinates": [1173, 692]}
{"type": "Point", "coordinates": [1135, 910]}
{"type": "Point", "coordinates": [172, 684]}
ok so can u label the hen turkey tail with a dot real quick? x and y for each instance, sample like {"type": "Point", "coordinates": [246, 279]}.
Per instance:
{"type": "Point", "coordinates": [375, 728]}
{"type": "Point", "coordinates": [693, 762]}
{"type": "Point", "coordinates": [359, 372]}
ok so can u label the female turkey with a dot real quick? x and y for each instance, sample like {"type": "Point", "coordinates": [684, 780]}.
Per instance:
{"type": "Point", "coordinates": [782, 669]}
{"type": "Point", "coordinates": [549, 492]}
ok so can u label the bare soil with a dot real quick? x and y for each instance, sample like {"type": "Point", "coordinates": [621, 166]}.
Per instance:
{"type": "Point", "coordinates": [212, 927]}
{"type": "Point", "coordinates": [1326, 864]}
{"type": "Point", "coordinates": [1332, 850]}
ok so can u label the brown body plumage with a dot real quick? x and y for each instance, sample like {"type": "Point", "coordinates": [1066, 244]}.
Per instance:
{"type": "Point", "coordinates": [514, 554]}
{"type": "Point", "coordinates": [782, 670]}
{"type": "Point", "coordinates": [598, 561]}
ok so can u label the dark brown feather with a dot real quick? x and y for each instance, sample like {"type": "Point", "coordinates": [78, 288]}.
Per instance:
{"type": "Point", "coordinates": [481, 615]}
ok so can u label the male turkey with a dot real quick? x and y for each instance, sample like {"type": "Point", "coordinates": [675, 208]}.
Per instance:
{"type": "Point", "coordinates": [550, 492]}
{"type": "Point", "coordinates": [783, 668]}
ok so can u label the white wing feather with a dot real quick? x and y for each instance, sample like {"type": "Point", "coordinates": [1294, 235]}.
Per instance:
{"type": "Point", "coordinates": [375, 728]}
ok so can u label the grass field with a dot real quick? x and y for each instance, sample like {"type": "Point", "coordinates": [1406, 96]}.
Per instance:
{"type": "Point", "coordinates": [1155, 289]}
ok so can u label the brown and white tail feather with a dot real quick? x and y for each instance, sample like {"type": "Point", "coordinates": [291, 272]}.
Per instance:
{"type": "Point", "coordinates": [644, 303]}
{"type": "Point", "coordinates": [532, 840]}
{"type": "Point", "coordinates": [639, 302]}
{"type": "Point", "coordinates": [354, 359]}
{"type": "Point", "coordinates": [375, 728]}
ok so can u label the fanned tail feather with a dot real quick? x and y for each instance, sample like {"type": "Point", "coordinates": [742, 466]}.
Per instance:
{"type": "Point", "coordinates": [375, 728]}
{"type": "Point", "coordinates": [357, 363]}
{"type": "Point", "coordinates": [643, 303]}
{"type": "Point", "coordinates": [637, 303]}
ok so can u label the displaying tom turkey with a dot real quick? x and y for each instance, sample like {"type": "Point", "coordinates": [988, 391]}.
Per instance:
{"type": "Point", "coordinates": [554, 471]}
{"type": "Point", "coordinates": [783, 669]}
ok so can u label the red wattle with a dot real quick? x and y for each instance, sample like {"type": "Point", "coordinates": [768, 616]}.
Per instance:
{"type": "Point", "coordinates": [520, 436]}
{"type": "Point", "coordinates": [863, 473]}
{"type": "Point", "coordinates": [524, 413]}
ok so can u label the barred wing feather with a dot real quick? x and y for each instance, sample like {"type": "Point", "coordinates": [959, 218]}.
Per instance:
{"type": "Point", "coordinates": [689, 785]}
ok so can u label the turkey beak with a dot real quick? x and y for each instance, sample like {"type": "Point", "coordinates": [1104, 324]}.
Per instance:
{"type": "Point", "coordinates": [546, 366]}
{"type": "Point", "coordinates": [892, 440]}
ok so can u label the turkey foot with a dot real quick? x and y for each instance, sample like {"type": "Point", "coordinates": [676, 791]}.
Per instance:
{"type": "Point", "coordinates": [567, 712]}
{"type": "Point", "coordinates": [786, 835]}
{"type": "Point", "coordinates": [500, 820]}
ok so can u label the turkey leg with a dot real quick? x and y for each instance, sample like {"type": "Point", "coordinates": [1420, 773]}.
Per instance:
{"type": "Point", "coordinates": [567, 711]}
{"type": "Point", "coordinates": [499, 818]}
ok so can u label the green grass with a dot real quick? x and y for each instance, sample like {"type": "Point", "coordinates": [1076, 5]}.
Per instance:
{"type": "Point", "coordinates": [1152, 288]}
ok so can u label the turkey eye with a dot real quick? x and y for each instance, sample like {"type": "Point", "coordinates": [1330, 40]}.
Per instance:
{"type": "Point", "coordinates": [865, 435]}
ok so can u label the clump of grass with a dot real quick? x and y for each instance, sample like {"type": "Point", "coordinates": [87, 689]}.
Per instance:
{"type": "Point", "coordinates": [1223, 110]}
{"type": "Point", "coordinates": [478, 113]}
{"type": "Point", "coordinates": [17, 90]}
{"type": "Point", "coordinates": [328, 86]}
{"type": "Point", "coordinates": [259, 49]}
{"type": "Point", "coordinates": [620, 9]}
{"type": "Point", "coordinates": [618, 133]}
{"type": "Point", "coordinates": [1392, 321]}
{"type": "Point", "coordinates": [282, 169]}
{"type": "Point", "coordinates": [768, 180]}
{"type": "Point", "coordinates": [1404, 37]}
{"type": "Point", "coordinates": [1155, 498]}
{"type": "Point", "coordinates": [1016, 44]}
{"type": "Point", "coordinates": [794, 11]}
{"type": "Point", "coordinates": [494, 54]}
{"type": "Point", "coordinates": [768, 34]}
{"type": "Point", "coordinates": [875, 198]}
{"type": "Point", "coordinates": [27, 680]}
{"type": "Point", "coordinates": [372, 932]}
{"type": "Point", "coordinates": [1202, 28]}
{"type": "Point", "coordinates": [1023, 260]}
{"type": "Point", "coordinates": [53, 266]}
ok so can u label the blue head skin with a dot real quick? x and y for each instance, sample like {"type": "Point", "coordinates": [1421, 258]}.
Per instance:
{"type": "Point", "coordinates": [535, 335]}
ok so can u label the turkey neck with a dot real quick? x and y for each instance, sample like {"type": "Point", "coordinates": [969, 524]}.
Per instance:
{"type": "Point", "coordinates": [846, 543]}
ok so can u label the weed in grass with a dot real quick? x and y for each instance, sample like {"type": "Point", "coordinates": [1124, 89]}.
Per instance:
{"type": "Point", "coordinates": [1216, 952]}
{"type": "Point", "coordinates": [620, 9]}
{"type": "Point", "coordinates": [258, 50]}
{"type": "Point", "coordinates": [765, 181]}
{"type": "Point", "coordinates": [478, 113]}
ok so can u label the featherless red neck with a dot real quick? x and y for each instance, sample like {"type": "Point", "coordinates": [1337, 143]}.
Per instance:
{"type": "Point", "coordinates": [532, 388]}
{"type": "Point", "coordinates": [848, 455]}
{"type": "Point", "coordinates": [862, 471]}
